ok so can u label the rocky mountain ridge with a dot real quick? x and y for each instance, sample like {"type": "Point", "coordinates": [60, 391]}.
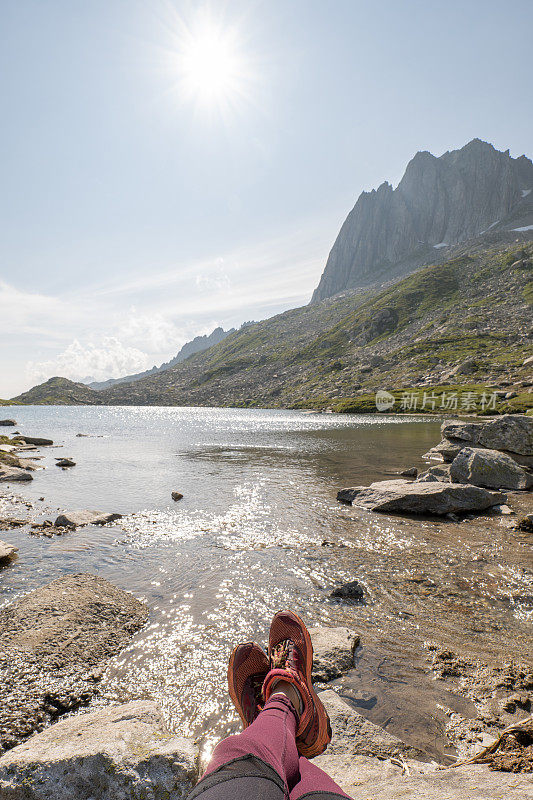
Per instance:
{"type": "Point", "coordinates": [440, 202]}
{"type": "Point", "coordinates": [196, 345]}
{"type": "Point", "coordinates": [466, 321]}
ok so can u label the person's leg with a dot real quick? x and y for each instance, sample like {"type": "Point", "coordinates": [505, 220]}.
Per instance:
{"type": "Point", "coordinates": [315, 782]}
{"type": "Point", "coordinates": [269, 740]}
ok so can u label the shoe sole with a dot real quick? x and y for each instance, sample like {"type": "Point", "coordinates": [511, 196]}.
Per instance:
{"type": "Point", "coordinates": [324, 726]}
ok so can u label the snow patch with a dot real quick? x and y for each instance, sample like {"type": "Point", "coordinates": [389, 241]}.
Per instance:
{"type": "Point", "coordinates": [440, 244]}
{"type": "Point", "coordinates": [525, 192]}
{"type": "Point", "coordinates": [525, 228]}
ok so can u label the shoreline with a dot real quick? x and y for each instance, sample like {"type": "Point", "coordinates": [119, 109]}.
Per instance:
{"type": "Point", "coordinates": [471, 680]}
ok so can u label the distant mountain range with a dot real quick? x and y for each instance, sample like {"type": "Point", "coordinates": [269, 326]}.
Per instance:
{"type": "Point", "coordinates": [196, 345]}
{"type": "Point", "coordinates": [462, 224]}
{"type": "Point", "coordinates": [438, 203]}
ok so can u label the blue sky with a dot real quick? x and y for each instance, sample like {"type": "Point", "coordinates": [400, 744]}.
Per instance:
{"type": "Point", "coordinates": [136, 214]}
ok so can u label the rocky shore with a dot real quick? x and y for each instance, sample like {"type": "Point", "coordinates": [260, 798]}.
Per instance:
{"type": "Point", "coordinates": [58, 639]}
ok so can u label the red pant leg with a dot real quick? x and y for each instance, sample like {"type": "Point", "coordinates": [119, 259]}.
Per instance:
{"type": "Point", "coordinates": [271, 737]}
{"type": "Point", "coordinates": [314, 779]}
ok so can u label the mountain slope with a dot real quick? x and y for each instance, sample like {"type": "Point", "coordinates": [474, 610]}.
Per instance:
{"type": "Point", "coordinates": [196, 345]}
{"type": "Point", "coordinates": [469, 319]}
{"type": "Point", "coordinates": [57, 392]}
{"type": "Point", "coordinates": [438, 203]}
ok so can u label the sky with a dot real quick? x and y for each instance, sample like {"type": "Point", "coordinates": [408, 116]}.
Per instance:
{"type": "Point", "coordinates": [167, 167]}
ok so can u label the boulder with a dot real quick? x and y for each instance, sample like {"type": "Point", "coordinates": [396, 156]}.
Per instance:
{"type": "Point", "coordinates": [7, 552]}
{"type": "Point", "coordinates": [7, 422]}
{"type": "Point", "coordinates": [512, 432]}
{"type": "Point", "coordinates": [333, 651]}
{"type": "Point", "coordinates": [349, 591]}
{"type": "Point", "coordinates": [176, 495]}
{"type": "Point", "coordinates": [489, 468]}
{"type": "Point", "coordinates": [14, 474]}
{"type": "Point", "coordinates": [36, 440]}
{"type": "Point", "coordinates": [76, 519]}
{"type": "Point", "coordinates": [526, 523]}
{"type": "Point", "coordinates": [411, 472]}
{"type": "Point", "coordinates": [115, 753]}
{"type": "Point", "coordinates": [464, 431]}
{"type": "Point", "coordinates": [65, 462]}
{"type": "Point", "coordinates": [55, 641]}
{"type": "Point", "coordinates": [416, 497]}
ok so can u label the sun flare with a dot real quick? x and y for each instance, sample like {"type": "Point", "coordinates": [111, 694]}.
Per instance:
{"type": "Point", "coordinates": [213, 69]}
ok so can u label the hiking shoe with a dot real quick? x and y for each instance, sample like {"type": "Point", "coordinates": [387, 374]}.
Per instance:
{"type": "Point", "coordinates": [248, 666]}
{"type": "Point", "coordinates": [291, 659]}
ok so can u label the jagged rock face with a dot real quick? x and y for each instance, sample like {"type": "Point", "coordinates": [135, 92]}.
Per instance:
{"type": "Point", "coordinates": [439, 201]}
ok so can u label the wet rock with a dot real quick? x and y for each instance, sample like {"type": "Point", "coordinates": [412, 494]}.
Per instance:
{"type": "Point", "coordinates": [65, 462]}
{"type": "Point", "coordinates": [8, 474]}
{"type": "Point", "coordinates": [115, 753]}
{"type": "Point", "coordinates": [7, 422]}
{"type": "Point", "coordinates": [10, 523]}
{"type": "Point", "coordinates": [412, 472]}
{"type": "Point", "coordinates": [333, 652]}
{"type": "Point", "coordinates": [355, 735]}
{"type": "Point", "coordinates": [76, 519]}
{"type": "Point", "coordinates": [176, 496]}
{"type": "Point", "coordinates": [489, 468]}
{"type": "Point", "coordinates": [36, 440]}
{"type": "Point", "coordinates": [426, 498]}
{"type": "Point", "coordinates": [526, 523]}
{"type": "Point", "coordinates": [349, 591]}
{"type": "Point", "coordinates": [7, 552]}
{"type": "Point", "coordinates": [349, 495]}
{"type": "Point", "coordinates": [51, 641]}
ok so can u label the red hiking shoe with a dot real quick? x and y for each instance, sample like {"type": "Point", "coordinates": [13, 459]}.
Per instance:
{"type": "Point", "coordinates": [291, 659]}
{"type": "Point", "coordinates": [248, 666]}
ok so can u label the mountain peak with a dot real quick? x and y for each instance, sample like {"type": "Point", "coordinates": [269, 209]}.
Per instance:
{"type": "Point", "coordinates": [440, 201]}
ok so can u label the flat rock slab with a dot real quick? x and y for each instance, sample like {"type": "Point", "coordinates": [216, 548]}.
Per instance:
{"type": "Point", "coordinates": [365, 778]}
{"type": "Point", "coordinates": [117, 753]}
{"type": "Point", "coordinates": [36, 440]}
{"type": "Point", "coordinates": [7, 552]}
{"type": "Point", "coordinates": [76, 519]}
{"type": "Point", "coordinates": [14, 474]}
{"type": "Point", "coordinates": [437, 498]}
{"type": "Point", "coordinates": [54, 642]}
{"type": "Point", "coordinates": [333, 651]}
{"type": "Point", "coordinates": [489, 468]}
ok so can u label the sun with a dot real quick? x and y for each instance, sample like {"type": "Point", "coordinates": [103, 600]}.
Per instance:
{"type": "Point", "coordinates": [212, 68]}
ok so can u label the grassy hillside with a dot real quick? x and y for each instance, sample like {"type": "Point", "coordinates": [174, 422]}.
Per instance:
{"type": "Point", "coordinates": [57, 392]}
{"type": "Point", "coordinates": [459, 324]}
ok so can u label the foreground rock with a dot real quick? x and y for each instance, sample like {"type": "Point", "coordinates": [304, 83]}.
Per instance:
{"type": "Point", "coordinates": [7, 553]}
{"type": "Point", "coordinates": [65, 462]}
{"type": "Point", "coordinates": [55, 642]}
{"type": "Point", "coordinates": [38, 441]}
{"type": "Point", "coordinates": [489, 468]}
{"type": "Point", "coordinates": [333, 652]}
{"type": "Point", "coordinates": [416, 497]}
{"type": "Point", "coordinates": [76, 519]}
{"type": "Point", "coordinates": [7, 422]}
{"type": "Point", "coordinates": [120, 752]}
{"type": "Point", "coordinates": [8, 474]}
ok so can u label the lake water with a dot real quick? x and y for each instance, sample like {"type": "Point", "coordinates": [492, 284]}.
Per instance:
{"type": "Point", "coordinates": [259, 529]}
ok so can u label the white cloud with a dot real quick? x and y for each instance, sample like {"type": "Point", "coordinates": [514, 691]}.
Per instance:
{"type": "Point", "coordinates": [110, 359]}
